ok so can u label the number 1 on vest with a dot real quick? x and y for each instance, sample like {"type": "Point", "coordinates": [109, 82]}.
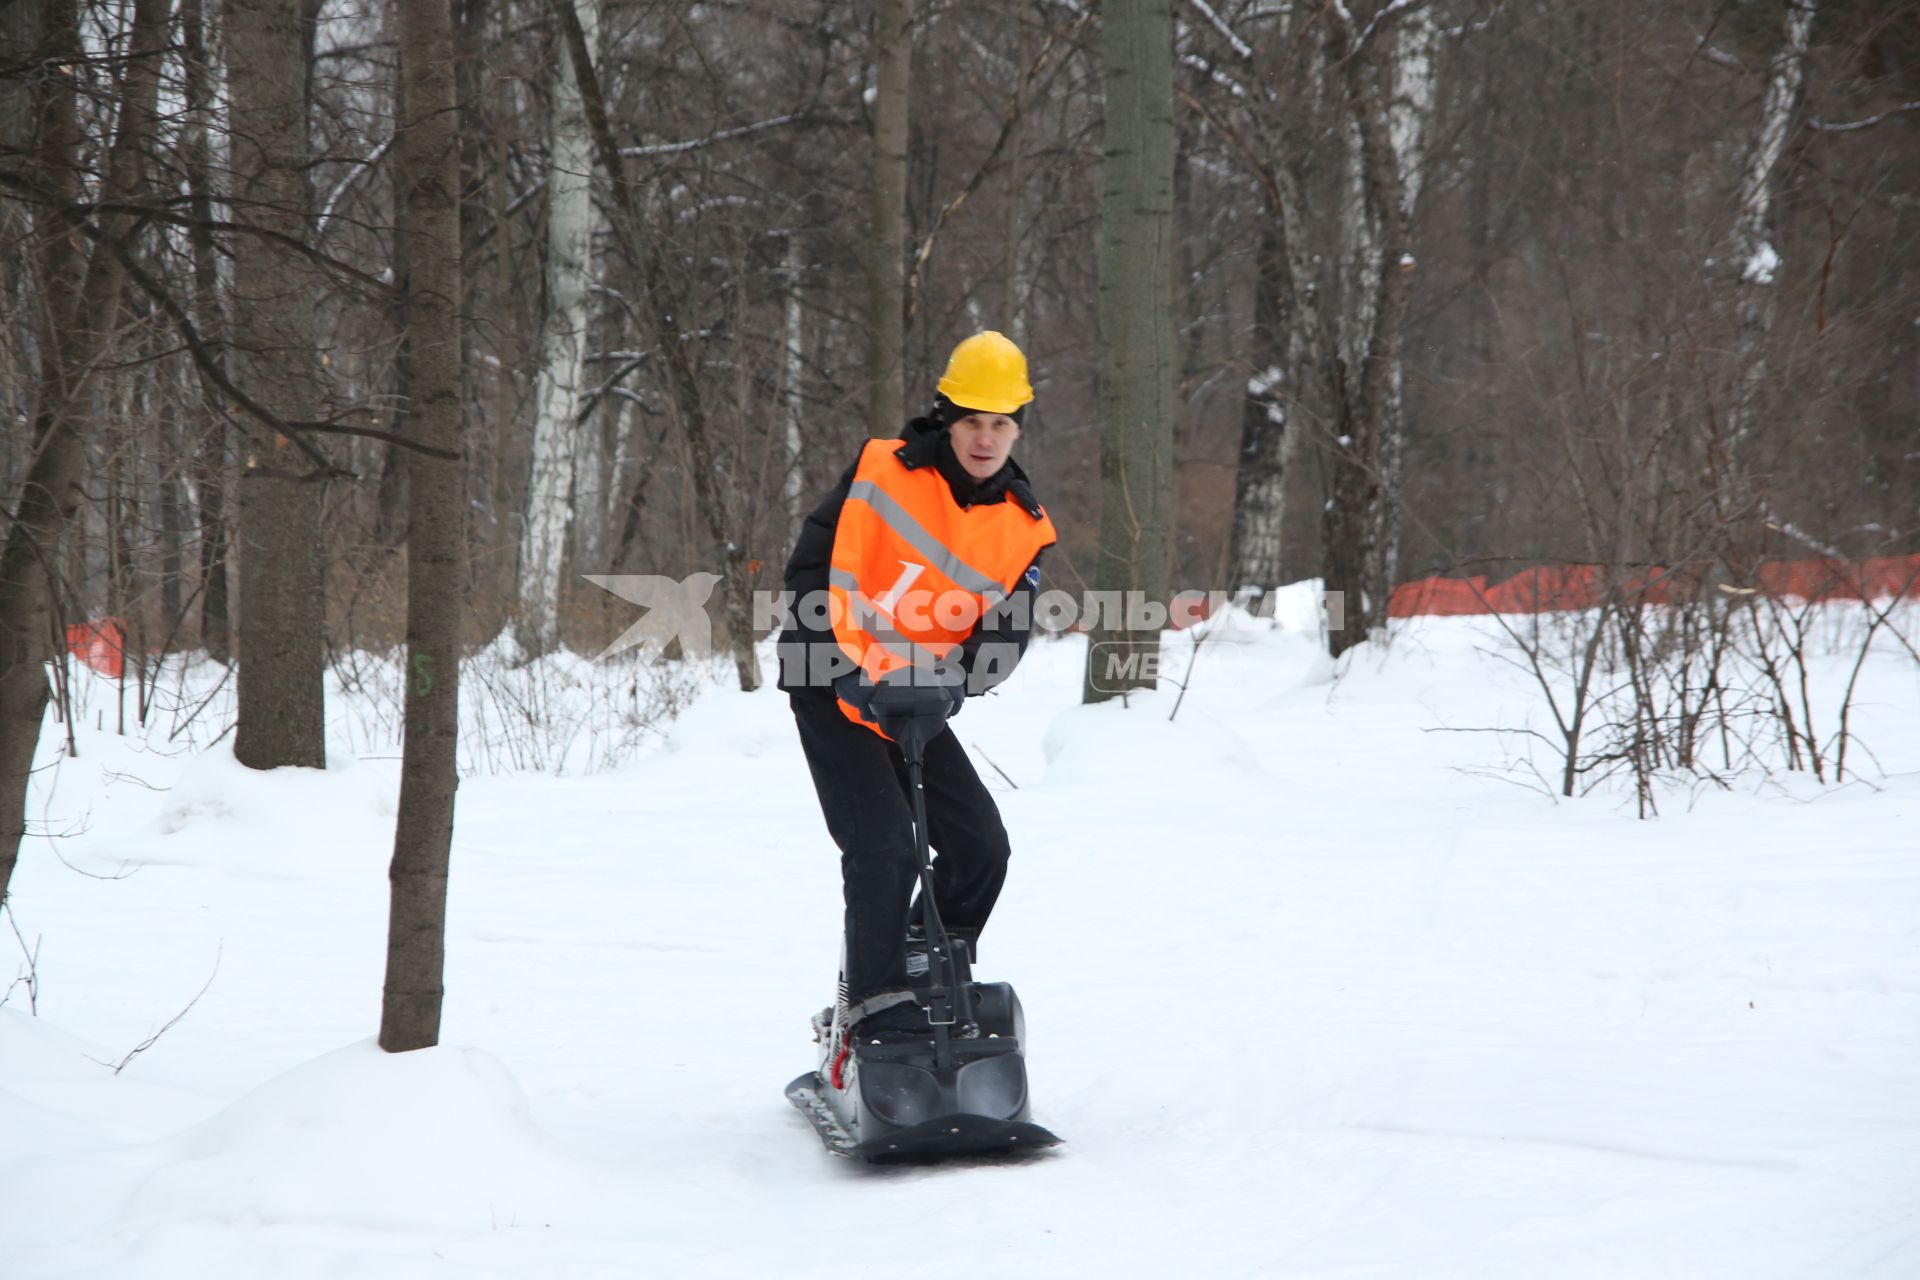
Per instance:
{"type": "Point", "coordinates": [889, 600]}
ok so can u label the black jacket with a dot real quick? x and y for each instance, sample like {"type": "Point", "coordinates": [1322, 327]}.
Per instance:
{"type": "Point", "coordinates": [998, 641]}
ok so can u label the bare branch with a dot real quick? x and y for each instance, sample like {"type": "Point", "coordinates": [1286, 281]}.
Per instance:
{"type": "Point", "coordinates": [31, 978]}
{"type": "Point", "coordinates": [1240, 47]}
{"type": "Point", "coordinates": [1381, 19]}
{"type": "Point", "coordinates": [154, 1039]}
{"type": "Point", "coordinates": [1007, 124]}
{"type": "Point", "coordinates": [340, 188]}
{"type": "Point", "coordinates": [1850, 126]}
{"type": "Point", "coordinates": [210, 369]}
{"type": "Point", "coordinates": [723, 135]}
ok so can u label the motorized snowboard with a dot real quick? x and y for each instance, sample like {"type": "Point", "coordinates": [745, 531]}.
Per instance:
{"type": "Point", "coordinates": [959, 1089]}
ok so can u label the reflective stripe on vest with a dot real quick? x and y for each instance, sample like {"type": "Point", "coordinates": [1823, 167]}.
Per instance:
{"type": "Point", "coordinates": [912, 571]}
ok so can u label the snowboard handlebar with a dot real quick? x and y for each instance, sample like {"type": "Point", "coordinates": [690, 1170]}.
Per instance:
{"type": "Point", "coordinates": [943, 992]}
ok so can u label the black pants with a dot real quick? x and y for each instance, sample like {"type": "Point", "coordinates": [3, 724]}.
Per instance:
{"type": "Point", "coordinates": [862, 782]}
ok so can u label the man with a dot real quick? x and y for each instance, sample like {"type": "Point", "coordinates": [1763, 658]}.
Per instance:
{"type": "Point", "coordinates": [913, 584]}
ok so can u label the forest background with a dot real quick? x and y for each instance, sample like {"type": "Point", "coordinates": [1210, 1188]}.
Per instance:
{"type": "Point", "coordinates": [342, 342]}
{"type": "Point", "coordinates": [1449, 288]}
{"type": "Point", "coordinates": [1583, 220]}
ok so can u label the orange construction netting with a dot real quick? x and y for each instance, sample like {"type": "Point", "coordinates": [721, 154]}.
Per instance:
{"type": "Point", "coordinates": [1557, 587]}
{"type": "Point", "coordinates": [101, 644]}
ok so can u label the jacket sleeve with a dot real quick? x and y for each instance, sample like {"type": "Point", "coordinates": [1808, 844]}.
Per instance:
{"type": "Point", "coordinates": [1000, 640]}
{"type": "Point", "coordinates": [807, 570]}
{"type": "Point", "coordinates": [813, 550]}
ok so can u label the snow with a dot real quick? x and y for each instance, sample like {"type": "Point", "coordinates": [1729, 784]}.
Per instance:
{"type": "Point", "coordinates": [1266, 381]}
{"type": "Point", "coordinates": [1760, 265]}
{"type": "Point", "coordinates": [1313, 989]}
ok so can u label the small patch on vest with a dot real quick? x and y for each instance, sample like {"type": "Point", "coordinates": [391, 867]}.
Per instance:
{"type": "Point", "coordinates": [1033, 576]}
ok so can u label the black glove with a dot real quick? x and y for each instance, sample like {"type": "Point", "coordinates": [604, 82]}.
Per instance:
{"type": "Point", "coordinates": [905, 703]}
{"type": "Point", "coordinates": [905, 699]}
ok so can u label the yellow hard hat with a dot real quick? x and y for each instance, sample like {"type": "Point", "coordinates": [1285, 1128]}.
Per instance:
{"type": "Point", "coordinates": [987, 372]}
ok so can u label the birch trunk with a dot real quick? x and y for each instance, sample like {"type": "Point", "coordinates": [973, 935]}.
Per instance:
{"type": "Point", "coordinates": [1754, 256]}
{"type": "Point", "coordinates": [792, 407]}
{"type": "Point", "coordinates": [1347, 526]}
{"type": "Point", "coordinates": [1310, 395]}
{"type": "Point", "coordinates": [1384, 105]}
{"type": "Point", "coordinates": [594, 456]}
{"type": "Point", "coordinates": [556, 386]}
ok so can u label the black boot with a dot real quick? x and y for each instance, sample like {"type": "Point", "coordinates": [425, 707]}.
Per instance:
{"type": "Point", "coordinates": [896, 1022]}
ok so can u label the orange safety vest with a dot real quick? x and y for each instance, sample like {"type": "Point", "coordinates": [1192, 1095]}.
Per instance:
{"type": "Point", "coordinates": [913, 571]}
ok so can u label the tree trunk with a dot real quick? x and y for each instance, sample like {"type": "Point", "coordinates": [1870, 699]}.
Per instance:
{"type": "Point", "coordinates": [282, 674]}
{"type": "Point", "coordinates": [1383, 106]}
{"type": "Point", "coordinates": [1409, 115]}
{"type": "Point", "coordinates": [1012, 320]}
{"type": "Point", "coordinates": [1136, 337]}
{"type": "Point", "coordinates": [216, 622]}
{"type": "Point", "coordinates": [390, 498]}
{"type": "Point", "coordinates": [436, 545]}
{"type": "Point", "coordinates": [590, 498]}
{"type": "Point", "coordinates": [1753, 253]}
{"type": "Point", "coordinates": [83, 292]}
{"type": "Point", "coordinates": [210, 449]}
{"type": "Point", "coordinates": [501, 568]}
{"type": "Point", "coordinates": [390, 495]}
{"type": "Point", "coordinates": [793, 408]}
{"type": "Point", "coordinates": [19, 37]}
{"type": "Point", "coordinates": [887, 235]}
{"type": "Point", "coordinates": [1295, 121]}
{"type": "Point", "coordinates": [171, 501]}
{"type": "Point", "coordinates": [1259, 483]}
{"type": "Point", "coordinates": [556, 395]}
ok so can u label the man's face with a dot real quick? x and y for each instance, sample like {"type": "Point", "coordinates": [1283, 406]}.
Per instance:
{"type": "Point", "coordinates": [983, 442]}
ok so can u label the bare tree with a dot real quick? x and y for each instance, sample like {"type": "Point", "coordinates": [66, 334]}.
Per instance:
{"type": "Point", "coordinates": [82, 242]}
{"type": "Point", "coordinates": [1578, 208]}
{"type": "Point", "coordinates": [1381, 81]}
{"type": "Point", "coordinates": [436, 545]}
{"type": "Point", "coordinates": [717, 501]}
{"type": "Point", "coordinates": [558, 430]}
{"type": "Point", "coordinates": [1331, 109]}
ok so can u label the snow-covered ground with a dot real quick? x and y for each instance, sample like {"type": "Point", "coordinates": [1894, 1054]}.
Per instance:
{"type": "Point", "coordinates": [1311, 992]}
